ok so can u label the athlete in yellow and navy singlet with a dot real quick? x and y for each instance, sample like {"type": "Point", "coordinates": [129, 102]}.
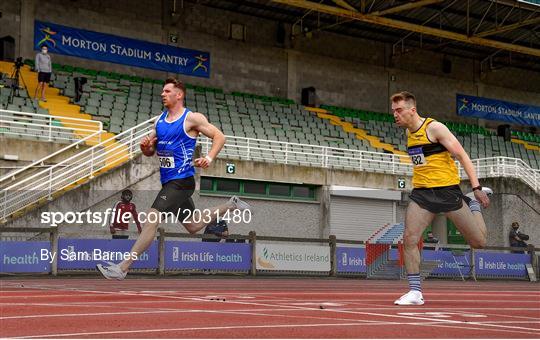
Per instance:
{"type": "Point", "coordinates": [433, 164]}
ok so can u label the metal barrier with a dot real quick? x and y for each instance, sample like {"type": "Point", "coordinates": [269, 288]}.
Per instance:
{"type": "Point", "coordinates": [77, 132]}
{"type": "Point", "coordinates": [45, 127]}
{"type": "Point", "coordinates": [162, 235]}
{"type": "Point", "coordinates": [487, 263]}
{"type": "Point", "coordinates": [340, 261]}
{"type": "Point", "coordinates": [348, 261]}
{"type": "Point", "coordinates": [53, 241]}
{"type": "Point", "coordinates": [72, 171]}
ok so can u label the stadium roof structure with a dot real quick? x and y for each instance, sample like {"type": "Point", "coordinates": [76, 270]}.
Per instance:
{"type": "Point", "coordinates": [495, 32]}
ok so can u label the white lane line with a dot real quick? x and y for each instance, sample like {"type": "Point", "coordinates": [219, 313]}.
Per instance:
{"type": "Point", "coordinates": [453, 322]}
{"type": "Point", "coordinates": [113, 303]}
{"type": "Point", "coordinates": [48, 296]}
{"type": "Point", "coordinates": [509, 315]}
{"type": "Point", "coordinates": [160, 330]}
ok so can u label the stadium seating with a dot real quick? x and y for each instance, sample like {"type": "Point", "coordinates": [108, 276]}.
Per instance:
{"type": "Point", "coordinates": [478, 141]}
{"type": "Point", "coordinates": [392, 234]}
{"type": "Point", "coordinates": [31, 128]}
{"type": "Point", "coordinates": [122, 101]}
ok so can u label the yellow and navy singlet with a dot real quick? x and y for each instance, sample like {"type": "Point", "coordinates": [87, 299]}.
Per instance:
{"type": "Point", "coordinates": [433, 164]}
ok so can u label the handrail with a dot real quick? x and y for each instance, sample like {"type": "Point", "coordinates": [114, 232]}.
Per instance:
{"type": "Point", "coordinates": [79, 122]}
{"type": "Point", "coordinates": [80, 166]}
{"type": "Point", "coordinates": [49, 119]}
{"type": "Point", "coordinates": [86, 163]}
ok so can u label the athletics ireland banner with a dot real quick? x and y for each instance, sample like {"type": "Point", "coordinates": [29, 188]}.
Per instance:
{"type": "Point", "coordinates": [120, 50]}
{"type": "Point", "coordinates": [493, 109]}
{"type": "Point", "coordinates": [276, 256]}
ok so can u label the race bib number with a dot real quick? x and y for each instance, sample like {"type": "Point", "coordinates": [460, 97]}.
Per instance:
{"type": "Point", "coordinates": [166, 160]}
{"type": "Point", "coordinates": [417, 156]}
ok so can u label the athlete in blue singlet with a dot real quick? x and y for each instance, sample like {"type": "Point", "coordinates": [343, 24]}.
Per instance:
{"type": "Point", "coordinates": [175, 148]}
{"type": "Point", "coordinates": [173, 139]}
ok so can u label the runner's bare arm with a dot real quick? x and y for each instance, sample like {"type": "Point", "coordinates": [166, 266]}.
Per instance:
{"type": "Point", "coordinates": [438, 132]}
{"type": "Point", "coordinates": [149, 138]}
{"type": "Point", "coordinates": [199, 123]}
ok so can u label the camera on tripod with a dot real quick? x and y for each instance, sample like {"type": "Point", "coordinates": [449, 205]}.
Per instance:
{"type": "Point", "coordinates": [18, 63]}
{"type": "Point", "coordinates": [15, 77]}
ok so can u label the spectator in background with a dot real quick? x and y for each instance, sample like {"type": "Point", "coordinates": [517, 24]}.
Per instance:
{"type": "Point", "coordinates": [218, 229]}
{"type": "Point", "coordinates": [517, 239]}
{"type": "Point", "coordinates": [430, 238]}
{"type": "Point", "coordinates": [43, 65]}
{"type": "Point", "coordinates": [118, 227]}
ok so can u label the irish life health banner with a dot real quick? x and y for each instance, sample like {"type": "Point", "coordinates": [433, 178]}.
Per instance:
{"type": "Point", "coordinates": [25, 257]}
{"type": "Point", "coordinates": [207, 255]}
{"type": "Point", "coordinates": [493, 109]}
{"type": "Point", "coordinates": [120, 50]}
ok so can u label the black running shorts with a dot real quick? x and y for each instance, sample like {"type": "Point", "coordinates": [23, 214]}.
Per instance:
{"type": "Point", "coordinates": [175, 196]}
{"type": "Point", "coordinates": [44, 77]}
{"type": "Point", "coordinates": [438, 200]}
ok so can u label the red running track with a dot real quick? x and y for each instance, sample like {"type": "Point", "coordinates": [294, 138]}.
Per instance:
{"type": "Point", "coordinates": [264, 308]}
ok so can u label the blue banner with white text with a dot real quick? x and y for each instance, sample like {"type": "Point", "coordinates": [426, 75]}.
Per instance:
{"type": "Point", "coordinates": [487, 264]}
{"type": "Point", "coordinates": [449, 264]}
{"type": "Point", "coordinates": [86, 253]}
{"type": "Point", "coordinates": [207, 255]}
{"type": "Point", "coordinates": [25, 257]}
{"type": "Point", "coordinates": [501, 264]}
{"type": "Point", "coordinates": [493, 109]}
{"type": "Point", "coordinates": [351, 259]}
{"type": "Point", "coordinates": [120, 50]}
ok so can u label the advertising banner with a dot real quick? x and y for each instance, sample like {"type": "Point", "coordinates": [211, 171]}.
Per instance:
{"type": "Point", "coordinates": [207, 255]}
{"type": "Point", "coordinates": [501, 264]}
{"type": "Point", "coordinates": [120, 50]}
{"type": "Point", "coordinates": [275, 256]}
{"type": "Point", "coordinates": [493, 109]}
{"type": "Point", "coordinates": [85, 254]}
{"type": "Point", "coordinates": [448, 264]}
{"type": "Point", "coordinates": [351, 259]}
{"type": "Point", "coordinates": [25, 257]}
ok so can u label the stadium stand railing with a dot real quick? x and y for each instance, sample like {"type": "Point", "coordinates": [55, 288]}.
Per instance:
{"type": "Point", "coordinates": [481, 261]}
{"type": "Point", "coordinates": [478, 141]}
{"type": "Point", "coordinates": [105, 155]}
{"type": "Point", "coordinates": [121, 101]}
{"type": "Point", "coordinates": [44, 127]}
{"type": "Point", "coordinates": [75, 170]}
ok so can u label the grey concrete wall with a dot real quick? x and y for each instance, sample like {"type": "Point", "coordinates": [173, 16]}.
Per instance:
{"type": "Point", "coordinates": [270, 217]}
{"type": "Point", "coordinates": [346, 71]}
{"type": "Point", "coordinates": [102, 188]}
{"type": "Point", "coordinates": [513, 201]}
{"type": "Point", "coordinates": [132, 19]}
{"type": "Point", "coordinates": [10, 22]}
{"type": "Point", "coordinates": [343, 83]}
{"type": "Point", "coordinates": [303, 174]}
{"type": "Point", "coordinates": [28, 150]}
{"type": "Point", "coordinates": [274, 217]}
